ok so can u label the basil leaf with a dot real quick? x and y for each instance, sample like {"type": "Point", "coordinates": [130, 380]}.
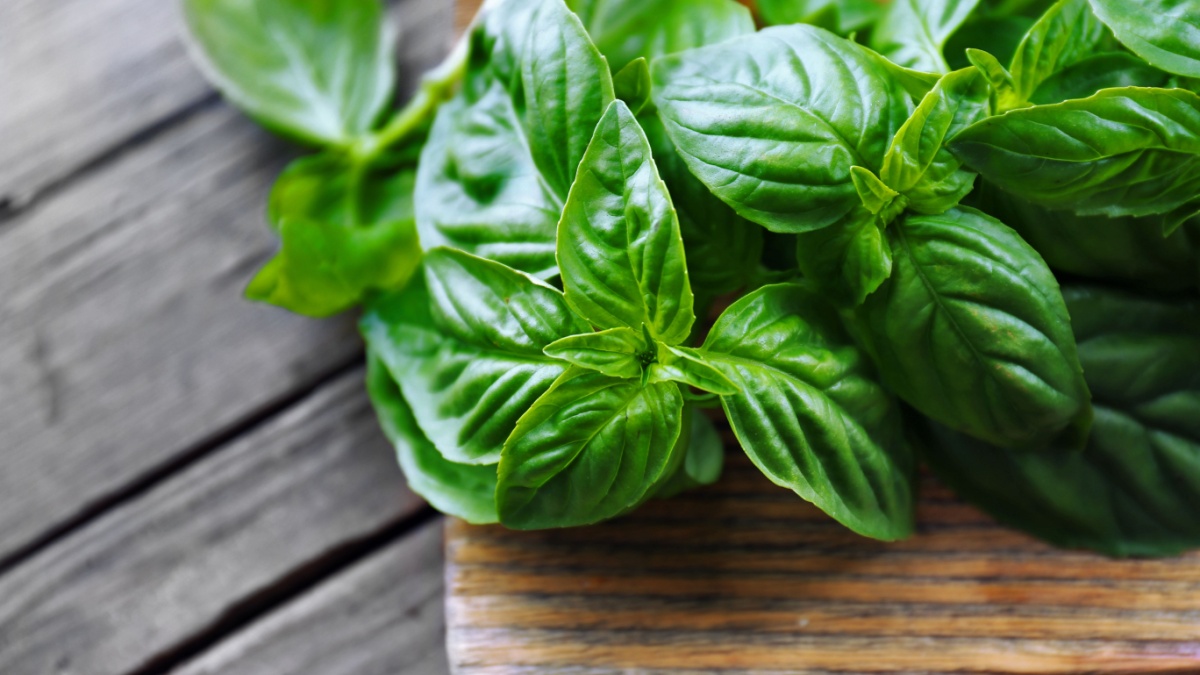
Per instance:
{"type": "Point", "coordinates": [347, 229]}
{"type": "Point", "coordinates": [619, 245]}
{"type": "Point", "coordinates": [632, 84]}
{"type": "Point", "coordinates": [589, 449]}
{"type": "Point", "coordinates": [971, 330]}
{"type": "Point", "coordinates": [501, 155]}
{"type": "Point", "coordinates": [1164, 32]}
{"type": "Point", "coordinates": [1065, 34]}
{"type": "Point", "coordinates": [320, 71]}
{"type": "Point", "coordinates": [467, 349]}
{"type": "Point", "coordinates": [625, 30]}
{"type": "Point", "coordinates": [466, 491]}
{"type": "Point", "coordinates": [616, 352]}
{"type": "Point", "coordinates": [809, 414]}
{"type": "Point", "coordinates": [1122, 152]}
{"type": "Point", "coordinates": [840, 16]}
{"type": "Point", "coordinates": [723, 249]}
{"type": "Point", "coordinates": [874, 194]}
{"type": "Point", "coordinates": [1127, 249]}
{"type": "Point", "coordinates": [849, 260]}
{"type": "Point", "coordinates": [754, 121]}
{"type": "Point", "coordinates": [1106, 70]}
{"type": "Point", "coordinates": [1135, 489]}
{"type": "Point", "coordinates": [703, 461]}
{"type": "Point", "coordinates": [689, 367]}
{"type": "Point", "coordinates": [914, 31]}
{"type": "Point", "coordinates": [917, 164]}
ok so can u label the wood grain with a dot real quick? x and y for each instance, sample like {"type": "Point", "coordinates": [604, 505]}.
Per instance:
{"type": "Point", "coordinates": [125, 345]}
{"type": "Point", "coordinates": [744, 577]}
{"type": "Point", "coordinates": [236, 528]}
{"type": "Point", "coordinates": [382, 617]}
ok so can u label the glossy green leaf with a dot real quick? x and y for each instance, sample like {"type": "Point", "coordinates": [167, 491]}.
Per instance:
{"type": "Point", "coordinates": [501, 155]}
{"type": "Point", "coordinates": [1130, 250]}
{"type": "Point", "coordinates": [1065, 34]}
{"type": "Point", "coordinates": [723, 249]}
{"type": "Point", "coordinates": [755, 120]}
{"type": "Point", "coordinates": [914, 31]}
{"type": "Point", "coordinates": [1164, 32]}
{"type": "Point", "coordinates": [971, 330]}
{"type": "Point", "coordinates": [591, 448]}
{"type": "Point", "coordinates": [625, 30]}
{"type": "Point", "coordinates": [1122, 152]}
{"type": "Point", "coordinates": [875, 195]}
{"type": "Point", "coordinates": [1003, 86]}
{"type": "Point", "coordinates": [632, 84]}
{"type": "Point", "coordinates": [467, 349]}
{"type": "Point", "coordinates": [320, 71]}
{"type": "Point", "coordinates": [917, 164]}
{"type": "Point", "coordinates": [849, 260]}
{"type": "Point", "coordinates": [840, 16]}
{"type": "Point", "coordinates": [467, 491]}
{"type": "Point", "coordinates": [619, 246]}
{"type": "Point", "coordinates": [689, 367]}
{"type": "Point", "coordinates": [616, 352]}
{"type": "Point", "coordinates": [346, 230]}
{"type": "Point", "coordinates": [1106, 70]}
{"type": "Point", "coordinates": [1135, 489]}
{"type": "Point", "coordinates": [704, 460]}
{"type": "Point", "coordinates": [810, 415]}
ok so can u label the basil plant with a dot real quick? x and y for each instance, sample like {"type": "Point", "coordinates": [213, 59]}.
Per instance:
{"type": "Point", "coordinates": [864, 235]}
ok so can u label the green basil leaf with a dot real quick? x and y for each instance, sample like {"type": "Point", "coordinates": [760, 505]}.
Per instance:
{"type": "Point", "coordinates": [689, 367]}
{"type": "Point", "coordinates": [849, 260]}
{"type": "Point", "coordinates": [1003, 86]}
{"type": "Point", "coordinates": [467, 347]}
{"type": "Point", "coordinates": [1122, 152]}
{"type": "Point", "coordinates": [840, 16]}
{"type": "Point", "coordinates": [1135, 489]}
{"type": "Point", "coordinates": [616, 352]}
{"type": "Point", "coordinates": [704, 460]}
{"type": "Point", "coordinates": [632, 84]}
{"type": "Point", "coordinates": [723, 249]}
{"type": "Point", "coordinates": [875, 195]}
{"type": "Point", "coordinates": [1132, 250]}
{"type": "Point", "coordinates": [347, 229]}
{"type": "Point", "coordinates": [1106, 70]}
{"type": "Point", "coordinates": [1164, 32]}
{"type": "Point", "coordinates": [754, 121]}
{"type": "Point", "coordinates": [625, 30]}
{"type": "Point", "coordinates": [320, 71]}
{"type": "Point", "coordinates": [591, 448]}
{"type": "Point", "coordinates": [971, 330]}
{"type": "Point", "coordinates": [1065, 34]}
{"type": "Point", "coordinates": [914, 31]}
{"type": "Point", "coordinates": [809, 414]}
{"type": "Point", "coordinates": [467, 491]}
{"type": "Point", "coordinates": [619, 246]}
{"type": "Point", "coordinates": [917, 164]}
{"type": "Point", "coordinates": [501, 155]}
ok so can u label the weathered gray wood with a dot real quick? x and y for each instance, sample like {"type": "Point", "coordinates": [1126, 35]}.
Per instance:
{"type": "Point", "coordinates": [81, 77]}
{"type": "Point", "coordinates": [161, 568]}
{"type": "Point", "coordinates": [383, 617]}
{"type": "Point", "coordinates": [124, 341]}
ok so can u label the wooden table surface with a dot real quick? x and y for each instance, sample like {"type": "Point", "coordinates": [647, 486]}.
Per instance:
{"type": "Point", "coordinates": [189, 482]}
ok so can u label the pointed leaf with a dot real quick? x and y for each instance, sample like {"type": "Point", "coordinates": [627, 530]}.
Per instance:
{"type": "Point", "coordinates": [810, 415]}
{"type": "Point", "coordinates": [591, 448]}
{"type": "Point", "coordinates": [849, 260]}
{"type": "Point", "coordinates": [689, 367]}
{"type": "Point", "coordinates": [632, 84]}
{"type": "Point", "coordinates": [616, 352]}
{"type": "Point", "coordinates": [619, 245]}
{"type": "Point", "coordinates": [1164, 32]}
{"type": "Point", "coordinates": [1065, 34]}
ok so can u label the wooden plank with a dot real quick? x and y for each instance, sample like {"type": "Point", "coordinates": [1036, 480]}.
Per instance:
{"type": "Point", "coordinates": [82, 78]}
{"type": "Point", "coordinates": [744, 577]}
{"type": "Point", "coordinates": [383, 616]}
{"type": "Point", "coordinates": [125, 344]}
{"type": "Point", "coordinates": [274, 508]}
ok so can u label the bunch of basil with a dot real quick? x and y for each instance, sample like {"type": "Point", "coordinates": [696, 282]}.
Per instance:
{"type": "Point", "coordinates": [535, 234]}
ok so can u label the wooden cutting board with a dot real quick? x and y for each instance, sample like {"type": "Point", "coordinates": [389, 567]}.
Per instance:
{"type": "Point", "coordinates": [744, 577]}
